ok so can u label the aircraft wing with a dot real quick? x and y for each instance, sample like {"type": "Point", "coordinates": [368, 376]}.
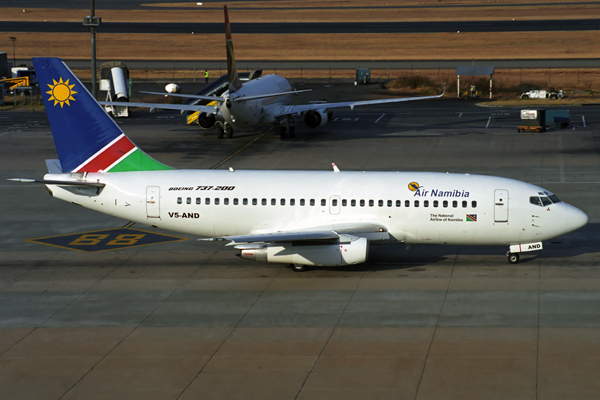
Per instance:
{"type": "Point", "coordinates": [300, 109]}
{"type": "Point", "coordinates": [188, 96]}
{"type": "Point", "coordinates": [180, 107]}
{"type": "Point", "coordinates": [324, 234]}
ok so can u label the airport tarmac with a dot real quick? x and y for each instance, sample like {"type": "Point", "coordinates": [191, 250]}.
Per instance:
{"type": "Point", "coordinates": [188, 319]}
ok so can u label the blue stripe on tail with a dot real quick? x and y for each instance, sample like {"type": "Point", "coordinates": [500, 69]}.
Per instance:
{"type": "Point", "coordinates": [80, 126]}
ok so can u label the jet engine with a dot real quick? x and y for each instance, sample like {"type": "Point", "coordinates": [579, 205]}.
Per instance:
{"type": "Point", "coordinates": [329, 255]}
{"type": "Point", "coordinates": [207, 121]}
{"type": "Point", "coordinates": [315, 118]}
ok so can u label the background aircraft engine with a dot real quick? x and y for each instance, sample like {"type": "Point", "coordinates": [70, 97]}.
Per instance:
{"type": "Point", "coordinates": [315, 118]}
{"type": "Point", "coordinates": [348, 253]}
{"type": "Point", "coordinates": [207, 121]}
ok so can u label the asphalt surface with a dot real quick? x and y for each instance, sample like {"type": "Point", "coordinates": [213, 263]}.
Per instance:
{"type": "Point", "coordinates": [188, 319]}
{"type": "Point", "coordinates": [310, 28]}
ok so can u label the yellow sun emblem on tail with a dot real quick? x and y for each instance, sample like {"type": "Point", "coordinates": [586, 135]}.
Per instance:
{"type": "Point", "coordinates": [61, 92]}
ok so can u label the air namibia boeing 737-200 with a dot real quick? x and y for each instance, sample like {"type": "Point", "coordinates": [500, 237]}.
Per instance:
{"type": "Point", "coordinates": [300, 218]}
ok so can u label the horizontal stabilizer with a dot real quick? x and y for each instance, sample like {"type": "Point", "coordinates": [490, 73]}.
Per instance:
{"type": "Point", "coordinates": [58, 183]}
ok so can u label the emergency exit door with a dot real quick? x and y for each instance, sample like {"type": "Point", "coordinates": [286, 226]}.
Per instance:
{"type": "Point", "coordinates": [153, 202]}
{"type": "Point", "coordinates": [501, 205]}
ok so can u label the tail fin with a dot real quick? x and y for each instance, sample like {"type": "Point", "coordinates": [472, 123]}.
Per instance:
{"type": "Point", "coordinates": [234, 80]}
{"type": "Point", "coordinates": [86, 138]}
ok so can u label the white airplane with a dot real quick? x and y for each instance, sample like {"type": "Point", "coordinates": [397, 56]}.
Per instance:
{"type": "Point", "coordinates": [301, 218]}
{"type": "Point", "coordinates": [264, 101]}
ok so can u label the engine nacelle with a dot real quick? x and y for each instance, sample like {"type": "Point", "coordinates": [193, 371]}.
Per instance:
{"type": "Point", "coordinates": [207, 121]}
{"type": "Point", "coordinates": [315, 118]}
{"type": "Point", "coordinates": [326, 255]}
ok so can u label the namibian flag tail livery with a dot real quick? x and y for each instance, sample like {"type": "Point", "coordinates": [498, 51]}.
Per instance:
{"type": "Point", "coordinates": [86, 138]}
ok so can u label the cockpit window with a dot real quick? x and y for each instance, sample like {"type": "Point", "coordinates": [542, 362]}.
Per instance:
{"type": "Point", "coordinates": [535, 201]}
{"type": "Point", "coordinates": [554, 198]}
{"type": "Point", "coordinates": [543, 201]}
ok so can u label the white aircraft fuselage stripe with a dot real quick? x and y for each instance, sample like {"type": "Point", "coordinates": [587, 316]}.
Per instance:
{"type": "Point", "coordinates": [435, 225]}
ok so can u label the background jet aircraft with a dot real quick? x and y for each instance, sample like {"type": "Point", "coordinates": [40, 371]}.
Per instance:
{"type": "Point", "coordinates": [323, 218]}
{"type": "Point", "coordinates": [264, 101]}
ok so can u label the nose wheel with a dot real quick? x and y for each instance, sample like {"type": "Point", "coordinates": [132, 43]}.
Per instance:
{"type": "Point", "coordinates": [513, 258]}
{"type": "Point", "coordinates": [224, 131]}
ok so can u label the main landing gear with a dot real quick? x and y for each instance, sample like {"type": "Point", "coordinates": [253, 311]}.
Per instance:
{"type": "Point", "coordinates": [299, 267]}
{"type": "Point", "coordinates": [224, 131]}
{"type": "Point", "coordinates": [287, 127]}
{"type": "Point", "coordinates": [513, 258]}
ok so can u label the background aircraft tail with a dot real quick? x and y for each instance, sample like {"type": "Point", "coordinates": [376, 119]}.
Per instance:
{"type": "Point", "coordinates": [85, 136]}
{"type": "Point", "coordinates": [234, 80]}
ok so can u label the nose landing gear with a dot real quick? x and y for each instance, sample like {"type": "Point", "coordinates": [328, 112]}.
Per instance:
{"type": "Point", "coordinates": [224, 131]}
{"type": "Point", "coordinates": [513, 258]}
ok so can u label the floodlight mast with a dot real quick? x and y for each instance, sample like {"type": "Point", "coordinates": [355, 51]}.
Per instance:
{"type": "Point", "coordinates": [14, 39]}
{"type": "Point", "coordinates": [92, 21]}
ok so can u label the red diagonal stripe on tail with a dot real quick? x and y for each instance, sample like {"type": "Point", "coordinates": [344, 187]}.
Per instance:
{"type": "Point", "coordinates": [108, 157]}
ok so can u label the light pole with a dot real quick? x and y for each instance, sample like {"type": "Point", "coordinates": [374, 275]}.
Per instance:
{"type": "Point", "coordinates": [14, 39]}
{"type": "Point", "coordinates": [93, 22]}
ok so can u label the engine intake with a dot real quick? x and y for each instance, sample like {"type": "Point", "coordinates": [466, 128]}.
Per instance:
{"type": "Point", "coordinates": [315, 118]}
{"type": "Point", "coordinates": [207, 121]}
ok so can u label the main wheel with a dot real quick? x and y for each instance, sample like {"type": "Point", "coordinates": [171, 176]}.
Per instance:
{"type": "Point", "coordinates": [282, 132]}
{"type": "Point", "coordinates": [299, 267]}
{"type": "Point", "coordinates": [513, 258]}
{"type": "Point", "coordinates": [220, 132]}
{"type": "Point", "coordinates": [525, 97]}
{"type": "Point", "coordinates": [292, 132]}
{"type": "Point", "coordinates": [229, 132]}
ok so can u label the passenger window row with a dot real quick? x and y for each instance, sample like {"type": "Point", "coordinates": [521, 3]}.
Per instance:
{"type": "Point", "coordinates": [334, 202]}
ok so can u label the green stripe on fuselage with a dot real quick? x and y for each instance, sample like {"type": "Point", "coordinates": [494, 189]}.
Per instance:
{"type": "Point", "coordinates": [139, 161]}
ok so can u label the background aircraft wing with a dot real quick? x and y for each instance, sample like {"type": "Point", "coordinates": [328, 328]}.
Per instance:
{"type": "Point", "coordinates": [180, 107]}
{"type": "Point", "coordinates": [324, 234]}
{"type": "Point", "coordinates": [300, 109]}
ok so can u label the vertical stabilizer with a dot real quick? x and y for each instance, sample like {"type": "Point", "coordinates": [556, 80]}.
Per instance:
{"type": "Point", "coordinates": [86, 138]}
{"type": "Point", "coordinates": [234, 80]}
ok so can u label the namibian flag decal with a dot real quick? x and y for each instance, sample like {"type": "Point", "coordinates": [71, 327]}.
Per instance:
{"type": "Point", "coordinates": [471, 217]}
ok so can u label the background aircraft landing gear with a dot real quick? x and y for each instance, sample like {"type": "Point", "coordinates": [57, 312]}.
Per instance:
{"type": "Point", "coordinates": [220, 131]}
{"type": "Point", "coordinates": [228, 132]}
{"type": "Point", "coordinates": [299, 267]}
{"type": "Point", "coordinates": [513, 258]}
{"type": "Point", "coordinates": [287, 127]}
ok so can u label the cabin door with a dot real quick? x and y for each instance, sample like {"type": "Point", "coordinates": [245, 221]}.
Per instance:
{"type": "Point", "coordinates": [153, 202]}
{"type": "Point", "coordinates": [501, 205]}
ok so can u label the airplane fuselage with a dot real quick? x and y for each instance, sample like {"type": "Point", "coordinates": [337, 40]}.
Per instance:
{"type": "Point", "coordinates": [251, 113]}
{"type": "Point", "coordinates": [414, 207]}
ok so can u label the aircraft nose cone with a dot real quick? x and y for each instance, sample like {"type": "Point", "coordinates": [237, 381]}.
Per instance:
{"type": "Point", "coordinates": [575, 218]}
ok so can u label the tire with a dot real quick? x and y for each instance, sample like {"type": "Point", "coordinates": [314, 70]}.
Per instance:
{"type": "Point", "coordinates": [229, 132]}
{"type": "Point", "coordinates": [292, 132]}
{"type": "Point", "coordinates": [524, 97]}
{"type": "Point", "coordinates": [282, 132]}
{"type": "Point", "coordinates": [299, 268]}
{"type": "Point", "coordinates": [513, 258]}
{"type": "Point", "coordinates": [220, 132]}
{"type": "Point", "coordinates": [554, 97]}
